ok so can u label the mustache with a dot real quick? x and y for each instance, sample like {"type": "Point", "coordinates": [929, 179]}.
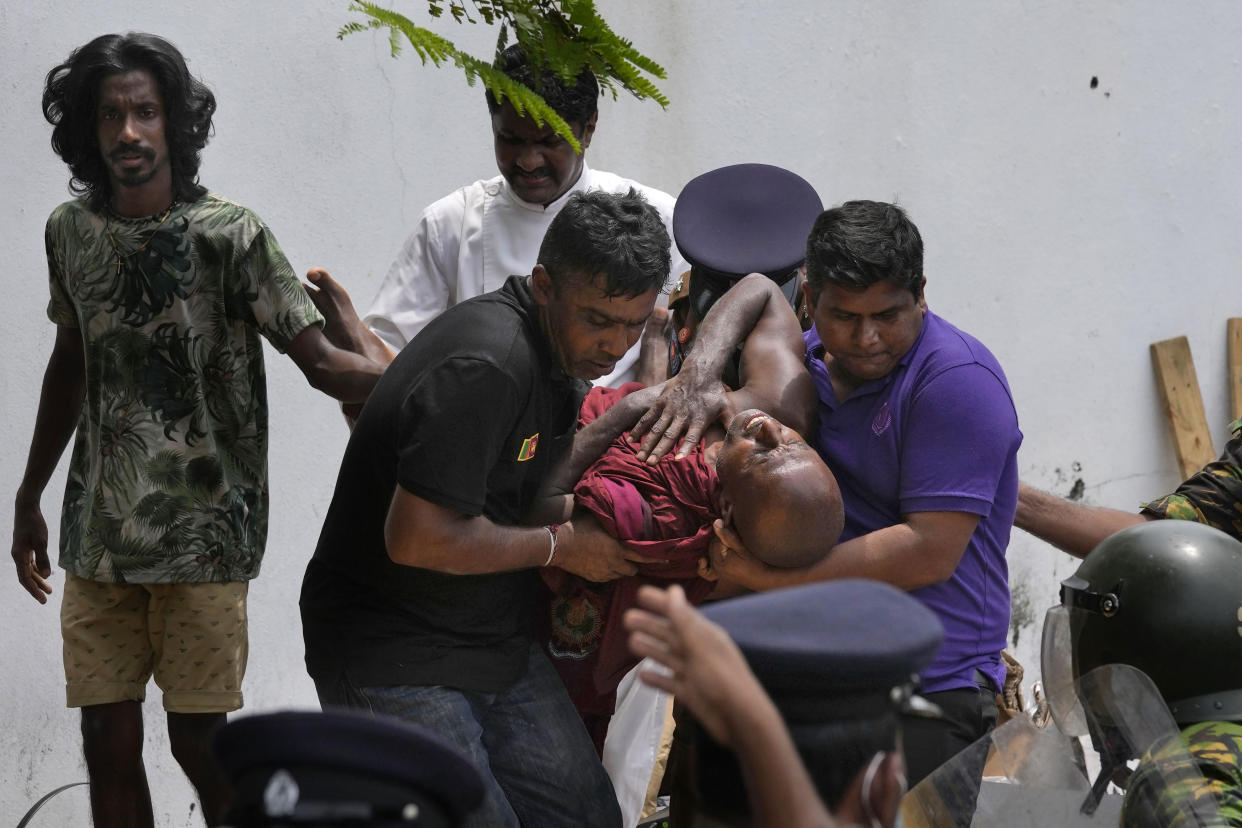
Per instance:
{"type": "Point", "coordinates": [132, 149]}
{"type": "Point", "coordinates": [545, 172]}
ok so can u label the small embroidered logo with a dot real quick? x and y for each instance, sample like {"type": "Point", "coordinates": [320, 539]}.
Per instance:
{"type": "Point", "coordinates": [528, 448]}
{"type": "Point", "coordinates": [883, 419]}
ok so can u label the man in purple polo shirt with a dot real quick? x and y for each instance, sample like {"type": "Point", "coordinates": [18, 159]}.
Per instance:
{"type": "Point", "coordinates": [917, 422]}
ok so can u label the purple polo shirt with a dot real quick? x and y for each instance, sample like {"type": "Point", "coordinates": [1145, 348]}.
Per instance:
{"type": "Point", "coordinates": [938, 434]}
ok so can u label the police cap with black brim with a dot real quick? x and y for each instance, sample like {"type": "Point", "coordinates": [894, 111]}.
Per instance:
{"type": "Point", "coordinates": [342, 767]}
{"type": "Point", "coordinates": [741, 219]}
{"type": "Point", "coordinates": [834, 651]}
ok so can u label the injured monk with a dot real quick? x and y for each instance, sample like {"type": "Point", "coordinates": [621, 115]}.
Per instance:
{"type": "Point", "coordinates": [753, 473]}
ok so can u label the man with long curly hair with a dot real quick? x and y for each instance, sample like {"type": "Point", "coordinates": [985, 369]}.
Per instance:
{"type": "Point", "coordinates": [159, 291]}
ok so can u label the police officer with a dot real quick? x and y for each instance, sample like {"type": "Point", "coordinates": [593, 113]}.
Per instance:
{"type": "Point", "coordinates": [732, 221]}
{"type": "Point", "coordinates": [837, 660]}
{"type": "Point", "coordinates": [1164, 597]}
{"type": "Point", "coordinates": [340, 767]}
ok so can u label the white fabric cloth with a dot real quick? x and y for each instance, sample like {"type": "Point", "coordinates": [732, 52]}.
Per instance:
{"type": "Point", "coordinates": [632, 746]}
{"type": "Point", "coordinates": [470, 241]}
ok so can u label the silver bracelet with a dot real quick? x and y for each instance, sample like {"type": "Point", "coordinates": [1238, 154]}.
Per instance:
{"type": "Point", "coordinates": [552, 529]}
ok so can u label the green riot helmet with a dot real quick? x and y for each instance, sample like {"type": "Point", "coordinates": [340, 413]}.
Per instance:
{"type": "Point", "coordinates": [1165, 597]}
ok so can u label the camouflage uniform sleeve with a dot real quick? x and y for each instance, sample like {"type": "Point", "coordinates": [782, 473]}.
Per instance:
{"type": "Point", "coordinates": [1212, 495]}
{"type": "Point", "coordinates": [1217, 748]}
{"type": "Point", "coordinates": [278, 304]}
{"type": "Point", "coordinates": [1198, 785]}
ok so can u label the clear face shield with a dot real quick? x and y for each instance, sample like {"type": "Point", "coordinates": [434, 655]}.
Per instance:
{"type": "Point", "coordinates": [1062, 624]}
{"type": "Point", "coordinates": [1038, 776]}
{"type": "Point", "coordinates": [1119, 710]}
{"type": "Point", "coordinates": [1058, 673]}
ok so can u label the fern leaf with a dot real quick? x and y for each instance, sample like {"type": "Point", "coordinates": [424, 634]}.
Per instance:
{"type": "Point", "coordinates": [429, 45]}
{"type": "Point", "coordinates": [524, 100]}
{"type": "Point", "coordinates": [562, 36]}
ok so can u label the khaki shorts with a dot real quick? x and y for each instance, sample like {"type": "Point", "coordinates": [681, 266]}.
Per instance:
{"type": "Point", "coordinates": [191, 636]}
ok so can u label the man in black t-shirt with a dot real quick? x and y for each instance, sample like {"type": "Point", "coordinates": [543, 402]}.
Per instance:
{"type": "Point", "coordinates": [420, 596]}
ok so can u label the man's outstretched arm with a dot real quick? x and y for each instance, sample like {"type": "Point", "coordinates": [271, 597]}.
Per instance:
{"type": "Point", "coordinates": [652, 365]}
{"type": "Point", "coordinates": [341, 374]}
{"type": "Point", "coordinates": [342, 326]}
{"type": "Point", "coordinates": [429, 536]}
{"type": "Point", "coordinates": [923, 549]}
{"type": "Point", "coordinates": [1070, 527]}
{"type": "Point", "coordinates": [60, 405]}
{"type": "Point", "coordinates": [959, 436]}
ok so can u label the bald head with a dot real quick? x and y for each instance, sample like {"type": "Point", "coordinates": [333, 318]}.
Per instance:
{"type": "Point", "coordinates": [777, 493]}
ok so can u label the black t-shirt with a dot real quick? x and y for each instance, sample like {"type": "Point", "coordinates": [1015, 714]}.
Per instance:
{"type": "Point", "coordinates": [471, 415]}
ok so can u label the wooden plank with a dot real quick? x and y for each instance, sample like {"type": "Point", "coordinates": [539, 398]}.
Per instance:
{"type": "Point", "coordinates": [1178, 386]}
{"type": "Point", "coordinates": [1234, 347]}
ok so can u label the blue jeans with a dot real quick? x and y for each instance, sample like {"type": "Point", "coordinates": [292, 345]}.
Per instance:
{"type": "Point", "coordinates": [538, 764]}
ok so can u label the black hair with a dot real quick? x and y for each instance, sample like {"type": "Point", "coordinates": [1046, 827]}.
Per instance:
{"type": "Point", "coordinates": [71, 98]}
{"type": "Point", "coordinates": [618, 235]}
{"type": "Point", "coordinates": [860, 243]}
{"type": "Point", "coordinates": [575, 103]}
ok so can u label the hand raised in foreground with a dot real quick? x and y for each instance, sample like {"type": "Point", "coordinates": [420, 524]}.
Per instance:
{"type": "Point", "coordinates": [707, 672]}
{"type": "Point", "coordinates": [710, 676]}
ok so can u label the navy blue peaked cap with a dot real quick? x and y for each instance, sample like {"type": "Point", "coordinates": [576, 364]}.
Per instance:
{"type": "Point", "coordinates": [833, 650]}
{"type": "Point", "coordinates": [346, 767]}
{"type": "Point", "coordinates": [745, 218]}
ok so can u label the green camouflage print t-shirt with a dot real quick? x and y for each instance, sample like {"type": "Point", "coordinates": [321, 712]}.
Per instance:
{"type": "Point", "coordinates": [1195, 783]}
{"type": "Point", "coordinates": [1212, 495]}
{"type": "Point", "coordinates": [168, 478]}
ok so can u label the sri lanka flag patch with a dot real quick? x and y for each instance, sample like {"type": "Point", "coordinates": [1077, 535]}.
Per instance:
{"type": "Point", "coordinates": [528, 448]}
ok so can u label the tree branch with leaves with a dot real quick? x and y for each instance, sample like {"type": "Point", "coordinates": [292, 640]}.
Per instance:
{"type": "Point", "coordinates": [560, 36]}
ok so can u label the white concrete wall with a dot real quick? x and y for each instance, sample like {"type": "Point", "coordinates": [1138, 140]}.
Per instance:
{"type": "Point", "coordinates": [1067, 227]}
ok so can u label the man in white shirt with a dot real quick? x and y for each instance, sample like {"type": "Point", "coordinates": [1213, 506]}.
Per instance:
{"type": "Point", "coordinates": [470, 241]}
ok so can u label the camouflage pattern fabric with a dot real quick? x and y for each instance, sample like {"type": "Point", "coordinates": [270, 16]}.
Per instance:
{"type": "Point", "coordinates": [1179, 790]}
{"type": "Point", "coordinates": [1213, 495]}
{"type": "Point", "coordinates": [168, 477]}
